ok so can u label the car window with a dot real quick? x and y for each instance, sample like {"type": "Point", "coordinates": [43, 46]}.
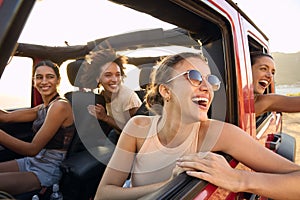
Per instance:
{"type": "Point", "coordinates": [65, 85]}
{"type": "Point", "coordinates": [255, 46]}
{"type": "Point", "coordinates": [132, 73]}
{"type": "Point", "coordinates": [16, 84]}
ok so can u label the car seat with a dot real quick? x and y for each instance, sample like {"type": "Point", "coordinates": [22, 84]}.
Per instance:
{"type": "Point", "coordinates": [144, 82]}
{"type": "Point", "coordinates": [89, 152]}
{"type": "Point", "coordinates": [90, 131]}
{"type": "Point", "coordinates": [144, 79]}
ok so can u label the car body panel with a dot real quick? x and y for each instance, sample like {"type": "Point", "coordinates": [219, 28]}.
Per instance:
{"type": "Point", "coordinates": [229, 31]}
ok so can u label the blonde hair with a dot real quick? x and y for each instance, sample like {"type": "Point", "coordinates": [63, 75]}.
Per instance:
{"type": "Point", "coordinates": [164, 72]}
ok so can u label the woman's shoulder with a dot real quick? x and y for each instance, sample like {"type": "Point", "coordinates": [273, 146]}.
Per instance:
{"type": "Point", "coordinates": [221, 127]}
{"type": "Point", "coordinates": [61, 108]}
{"type": "Point", "coordinates": [226, 129]}
{"type": "Point", "coordinates": [139, 125]}
{"type": "Point", "coordinates": [61, 104]}
{"type": "Point", "coordinates": [124, 88]}
{"type": "Point", "coordinates": [126, 94]}
{"type": "Point", "coordinates": [141, 120]}
{"type": "Point", "coordinates": [62, 101]}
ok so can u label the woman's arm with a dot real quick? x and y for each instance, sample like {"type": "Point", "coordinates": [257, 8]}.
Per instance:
{"type": "Point", "coordinates": [134, 104]}
{"type": "Point", "coordinates": [118, 170]}
{"type": "Point", "coordinates": [274, 177]}
{"type": "Point", "coordinates": [275, 102]}
{"type": "Point", "coordinates": [99, 112]}
{"type": "Point", "coordinates": [132, 111]}
{"type": "Point", "coordinates": [114, 190]}
{"type": "Point", "coordinates": [23, 115]}
{"type": "Point", "coordinates": [59, 114]}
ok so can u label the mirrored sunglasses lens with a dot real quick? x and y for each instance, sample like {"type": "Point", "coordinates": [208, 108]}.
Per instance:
{"type": "Point", "coordinates": [214, 82]}
{"type": "Point", "coordinates": [195, 77]}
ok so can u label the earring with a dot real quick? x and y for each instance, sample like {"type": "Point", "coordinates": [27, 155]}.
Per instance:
{"type": "Point", "coordinates": [168, 98]}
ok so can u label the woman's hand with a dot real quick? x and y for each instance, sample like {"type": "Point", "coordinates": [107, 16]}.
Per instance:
{"type": "Point", "coordinates": [97, 111]}
{"type": "Point", "coordinates": [176, 171]}
{"type": "Point", "coordinates": [213, 168]}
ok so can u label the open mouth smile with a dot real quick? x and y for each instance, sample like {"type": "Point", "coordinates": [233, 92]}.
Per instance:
{"type": "Point", "coordinates": [263, 83]}
{"type": "Point", "coordinates": [201, 101]}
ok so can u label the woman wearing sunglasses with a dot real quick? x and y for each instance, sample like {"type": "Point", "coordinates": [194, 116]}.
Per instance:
{"type": "Point", "coordinates": [180, 137]}
{"type": "Point", "coordinates": [263, 71]}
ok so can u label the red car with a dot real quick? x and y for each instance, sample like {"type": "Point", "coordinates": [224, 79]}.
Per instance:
{"type": "Point", "coordinates": [157, 28]}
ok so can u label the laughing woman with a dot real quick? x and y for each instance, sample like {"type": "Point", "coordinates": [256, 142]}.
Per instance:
{"type": "Point", "coordinates": [181, 135]}
{"type": "Point", "coordinates": [53, 126]}
{"type": "Point", "coordinates": [263, 71]}
{"type": "Point", "coordinates": [105, 69]}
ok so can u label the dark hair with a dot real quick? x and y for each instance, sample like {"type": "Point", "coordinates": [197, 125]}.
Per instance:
{"type": "Point", "coordinates": [93, 66]}
{"type": "Point", "coordinates": [258, 54]}
{"type": "Point", "coordinates": [50, 64]}
{"type": "Point", "coordinates": [164, 72]}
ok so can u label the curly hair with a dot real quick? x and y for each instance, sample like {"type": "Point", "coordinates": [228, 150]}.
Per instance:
{"type": "Point", "coordinates": [164, 72]}
{"type": "Point", "coordinates": [93, 64]}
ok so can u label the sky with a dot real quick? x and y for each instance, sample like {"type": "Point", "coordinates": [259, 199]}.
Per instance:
{"type": "Point", "coordinates": [278, 19]}
{"type": "Point", "coordinates": [54, 21]}
{"type": "Point", "coordinates": [49, 24]}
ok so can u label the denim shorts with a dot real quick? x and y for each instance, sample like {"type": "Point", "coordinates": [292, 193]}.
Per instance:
{"type": "Point", "coordinates": [45, 165]}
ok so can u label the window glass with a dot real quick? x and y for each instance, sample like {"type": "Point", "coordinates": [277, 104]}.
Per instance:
{"type": "Point", "coordinates": [253, 47]}
{"type": "Point", "coordinates": [65, 85]}
{"type": "Point", "coordinates": [131, 80]}
{"type": "Point", "coordinates": [16, 84]}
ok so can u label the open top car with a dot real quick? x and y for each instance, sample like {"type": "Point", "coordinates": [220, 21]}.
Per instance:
{"type": "Point", "coordinates": [156, 29]}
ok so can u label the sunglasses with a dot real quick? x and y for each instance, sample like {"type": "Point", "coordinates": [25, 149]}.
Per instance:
{"type": "Point", "coordinates": [195, 78]}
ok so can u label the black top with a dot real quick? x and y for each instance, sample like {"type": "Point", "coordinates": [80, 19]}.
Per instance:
{"type": "Point", "coordinates": [63, 137]}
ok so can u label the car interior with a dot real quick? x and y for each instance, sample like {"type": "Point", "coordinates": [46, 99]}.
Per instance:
{"type": "Point", "coordinates": [206, 31]}
{"type": "Point", "coordinates": [84, 166]}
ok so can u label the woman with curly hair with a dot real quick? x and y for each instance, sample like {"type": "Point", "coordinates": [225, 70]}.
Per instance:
{"type": "Point", "coordinates": [105, 69]}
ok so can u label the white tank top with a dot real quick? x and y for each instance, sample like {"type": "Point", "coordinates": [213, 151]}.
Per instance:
{"type": "Point", "coordinates": [154, 162]}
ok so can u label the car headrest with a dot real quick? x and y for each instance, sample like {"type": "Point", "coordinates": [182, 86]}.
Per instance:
{"type": "Point", "coordinates": [145, 74]}
{"type": "Point", "coordinates": [72, 72]}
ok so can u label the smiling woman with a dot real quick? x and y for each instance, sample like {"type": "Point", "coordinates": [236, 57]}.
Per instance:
{"type": "Point", "coordinates": [16, 92]}
{"type": "Point", "coordinates": [68, 31]}
{"type": "Point", "coordinates": [263, 71]}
